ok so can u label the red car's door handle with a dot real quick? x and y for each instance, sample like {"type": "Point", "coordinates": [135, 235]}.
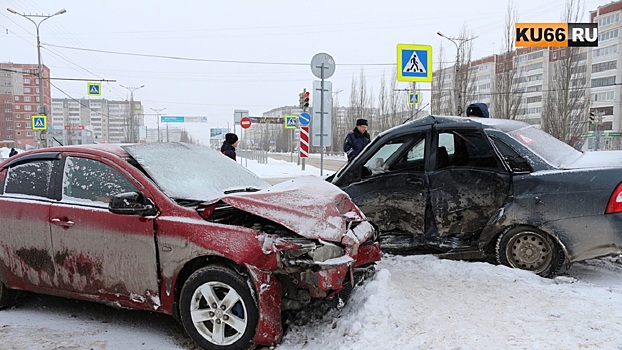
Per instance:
{"type": "Point", "coordinates": [60, 222]}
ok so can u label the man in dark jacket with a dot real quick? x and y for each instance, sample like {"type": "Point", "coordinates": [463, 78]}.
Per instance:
{"type": "Point", "coordinates": [13, 152]}
{"type": "Point", "coordinates": [356, 139]}
{"type": "Point", "coordinates": [228, 147]}
{"type": "Point", "coordinates": [477, 110]}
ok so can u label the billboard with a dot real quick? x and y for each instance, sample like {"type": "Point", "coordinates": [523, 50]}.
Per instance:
{"type": "Point", "coordinates": [217, 133]}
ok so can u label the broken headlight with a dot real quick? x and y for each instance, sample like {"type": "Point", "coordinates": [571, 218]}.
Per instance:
{"type": "Point", "coordinates": [312, 254]}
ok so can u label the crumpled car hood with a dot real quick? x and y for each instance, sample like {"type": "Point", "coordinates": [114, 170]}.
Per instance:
{"type": "Point", "coordinates": [308, 205]}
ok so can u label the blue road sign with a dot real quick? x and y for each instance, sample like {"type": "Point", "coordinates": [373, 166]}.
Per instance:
{"type": "Point", "coordinates": [94, 89]}
{"type": "Point", "coordinates": [414, 98]}
{"type": "Point", "coordinates": [172, 119]}
{"type": "Point", "coordinates": [304, 118]}
{"type": "Point", "coordinates": [39, 122]}
{"type": "Point", "coordinates": [414, 63]}
{"type": "Point", "coordinates": [291, 121]}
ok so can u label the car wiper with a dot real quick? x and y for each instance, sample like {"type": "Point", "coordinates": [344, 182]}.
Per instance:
{"type": "Point", "coordinates": [247, 189]}
{"type": "Point", "coordinates": [188, 202]}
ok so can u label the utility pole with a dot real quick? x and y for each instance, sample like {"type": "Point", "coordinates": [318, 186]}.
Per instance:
{"type": "Point", "coordinates": [599, 119]}
{"type": "Point", "coordinates": [458, 90]}
{"type": "Point", "coordinates": [131, 133]}
{"type": "Point", "coordinates": [42, 111]}
{"type": "Point", "coordinates": [158, 110]}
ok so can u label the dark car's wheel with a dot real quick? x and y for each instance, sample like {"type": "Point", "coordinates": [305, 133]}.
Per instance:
{"type": "Point", "coordinates": [530, 249]}
{"type": "Point", "coordinates": [7, 296]}
{"type": "Point", "coordinates": [217, 309]}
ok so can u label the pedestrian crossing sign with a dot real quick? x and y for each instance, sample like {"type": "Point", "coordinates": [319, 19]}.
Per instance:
{"type": "Point", "coordinates": [414, 63]}
{"type": "Point", "coordinates": [291, 121]}
{"type": "Point", "coordinates": [414, 98]}
{"type": "Point", "coordinates": [39, 122]}
{"type": "Point", "coordinates": [94, 89]}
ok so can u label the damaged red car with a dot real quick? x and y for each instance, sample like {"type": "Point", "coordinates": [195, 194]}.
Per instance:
{"type": "Point", "coordinates": [178, 229]}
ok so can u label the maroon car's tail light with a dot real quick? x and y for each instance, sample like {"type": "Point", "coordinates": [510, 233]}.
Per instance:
{"type": "Point", "coordinates": [615, 201]}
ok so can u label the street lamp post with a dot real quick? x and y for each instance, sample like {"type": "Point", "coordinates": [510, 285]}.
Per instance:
{"type": "Point", "coordinates": [158, 110]}
{"type": "Point", "coordinates": [42, 110]}
{"type": "Point", "coordinates": [457, 100]}
{"type": "Point", "coordinates": [132, 135]}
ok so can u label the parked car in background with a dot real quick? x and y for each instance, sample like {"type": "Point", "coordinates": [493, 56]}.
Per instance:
{"type": "Point", "coordinates": [488, 189]}
{"type": "Point", "coordinates": [178, 229]}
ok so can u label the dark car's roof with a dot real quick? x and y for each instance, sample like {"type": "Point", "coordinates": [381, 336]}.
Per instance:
{"type": "Point", "coordinates": [504, 125]}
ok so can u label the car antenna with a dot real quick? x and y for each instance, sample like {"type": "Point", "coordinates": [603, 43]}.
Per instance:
{"type": "Point", "coordinates": [416, 112]}
{"type": "Point", "coordinates": [60, 143]}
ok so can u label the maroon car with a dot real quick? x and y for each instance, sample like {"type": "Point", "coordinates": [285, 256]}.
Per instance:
{"type": "Point", "coordinates": [178, 229]}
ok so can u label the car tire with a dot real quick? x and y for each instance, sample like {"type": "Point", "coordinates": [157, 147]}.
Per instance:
{"type": "Point", "coordinates": [217, 309]}
{"type": "Point", "coordinates": [7, 296]}
{"type": "Point", "coordinates": [530, 249]}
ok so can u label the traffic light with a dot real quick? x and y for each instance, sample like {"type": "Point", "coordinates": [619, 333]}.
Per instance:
{"type": "Point", "coordinates": [305, 100]}
{"type": "Point", "coordinates": [301, 99]}
{"type": "Point", "coordinates": [592, 119]}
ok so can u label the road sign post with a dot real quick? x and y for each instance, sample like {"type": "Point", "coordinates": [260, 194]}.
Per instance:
{"type": "Point", "coordinates": [323, 67]}
{"type": "Point", "coordinates": [304, 119]}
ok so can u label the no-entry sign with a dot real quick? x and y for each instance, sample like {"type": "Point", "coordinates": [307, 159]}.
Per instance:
{"type": "Point", "coordinates": [245, 122]}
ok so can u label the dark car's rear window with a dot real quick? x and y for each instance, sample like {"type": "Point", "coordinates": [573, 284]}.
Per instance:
{"type": "Point", "coordinates": [552, 150]}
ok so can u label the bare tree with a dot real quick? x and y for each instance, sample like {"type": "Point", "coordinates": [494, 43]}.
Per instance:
{"type": "Point", "coordinates": [507, 94]}
{"type": "Point", "coordinates": [440, 103]}
{"type": "Point", "coordinates": [565, 102]}
{"type": "Point", "coordinates": [383, 104]}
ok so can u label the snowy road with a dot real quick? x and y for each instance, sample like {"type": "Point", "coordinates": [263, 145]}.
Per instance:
{"type": "Point", "coordinates": [412, 302]}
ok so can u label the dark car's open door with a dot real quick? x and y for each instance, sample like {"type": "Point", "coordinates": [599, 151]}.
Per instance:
{"type": "Point", "coordinates": [390, 187]}
{"type": "Point", "coordinates": [467, 186]}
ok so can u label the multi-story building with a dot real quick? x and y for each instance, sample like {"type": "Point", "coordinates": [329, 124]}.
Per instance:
{"type": "Point", "coordinates": [19, 100]}
{"type": "Point", "coordinates": [606, 76]}
{"type": "Point", "coordinates": [107, 121]}
{"type": "Point", "coordinates": [597, 76]}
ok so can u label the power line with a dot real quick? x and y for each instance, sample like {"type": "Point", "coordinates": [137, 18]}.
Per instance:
{"type": "Point", "coordinates": [211, 60]}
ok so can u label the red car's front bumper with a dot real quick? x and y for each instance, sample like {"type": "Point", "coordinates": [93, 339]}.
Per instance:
{"type": "Point", "coordinates": [322, 283]}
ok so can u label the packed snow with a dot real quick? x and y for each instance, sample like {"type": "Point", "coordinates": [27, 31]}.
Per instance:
{"type": "Point", "coordinates": [412, 302]}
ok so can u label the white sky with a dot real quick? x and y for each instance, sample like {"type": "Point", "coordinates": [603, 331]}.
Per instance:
{"type": "Point", "coordinates": [356, 33]}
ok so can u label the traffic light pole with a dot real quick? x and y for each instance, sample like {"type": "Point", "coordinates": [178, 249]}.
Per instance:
{"type": "Point", "coordinates": [599, 119]}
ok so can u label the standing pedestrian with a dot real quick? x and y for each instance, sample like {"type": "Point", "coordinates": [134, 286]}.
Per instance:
{"type": "Point", "coordinates": [229, 145]}
{"type": "Point", "coordinates": [13, 152]}
{"type": "Point", "coordinates": [356, 139]}
{"type": "Point", "coordinates": [477, 110]}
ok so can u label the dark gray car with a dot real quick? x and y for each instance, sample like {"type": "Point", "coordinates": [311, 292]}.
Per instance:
{"type": "Point", "coordinates": [488, 189]}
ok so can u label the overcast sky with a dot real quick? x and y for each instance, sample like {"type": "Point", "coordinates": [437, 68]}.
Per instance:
{"type": "Point", "coordinates": [361, 34]}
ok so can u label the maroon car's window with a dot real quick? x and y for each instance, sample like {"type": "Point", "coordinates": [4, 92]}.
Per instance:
{"type": "Point", "coordinates": [32, 178]}
{"type": "Point", "coordinates": [90, 180]}
{"type": "Point", "coordinates": [2, 177]}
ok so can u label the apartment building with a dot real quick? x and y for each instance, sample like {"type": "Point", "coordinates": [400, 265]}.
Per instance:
{"type": "Point", "coordinates": [19, 100]}
{"type": "Point", "coordinates": [107, 121]}
{"type": "Point", "coordinates": [598, 79]}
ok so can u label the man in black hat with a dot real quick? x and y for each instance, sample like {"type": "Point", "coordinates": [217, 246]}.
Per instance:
{"type": "Point", "coordinates": [356, 139]}
{"type": "Point", "coordinates": [229, 145]}
{"type": "Point", "coordinates": [479, 110]}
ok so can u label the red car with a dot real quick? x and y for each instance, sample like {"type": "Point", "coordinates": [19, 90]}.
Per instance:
{"type": "Point", "coordinates": [178, 229]}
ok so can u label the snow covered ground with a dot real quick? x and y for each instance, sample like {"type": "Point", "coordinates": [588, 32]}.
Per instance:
{"type": "Point", "coordinates": [416, 302]}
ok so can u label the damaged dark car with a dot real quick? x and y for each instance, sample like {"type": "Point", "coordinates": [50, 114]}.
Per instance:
{"type": "Point", "coordinates": [178, 229]}
{"type": "Point", "coordinates": [488, 189]}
